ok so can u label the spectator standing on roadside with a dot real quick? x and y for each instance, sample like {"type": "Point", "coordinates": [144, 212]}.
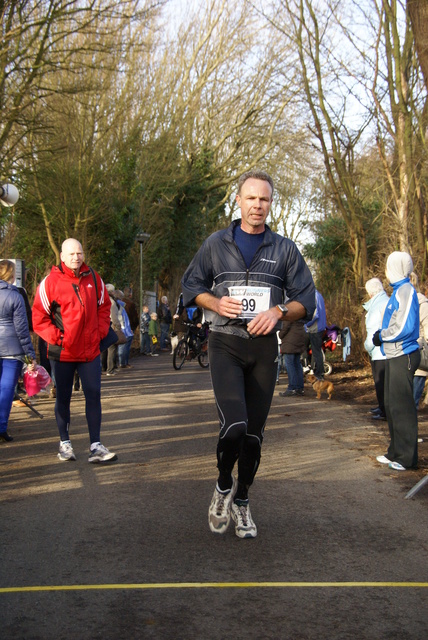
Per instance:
{"type": "Point", "coordinates": [123, 350]}
{"type": "Point", "coordinates": [165, 320]}
{"type": "Point", "coordinates": [109, 357]}
{"type": "Point", "coordinates": [420, 375]}
{"type": "Point", "coordinates": [375, 308]}
{"type": "Point", "coordinates": [145, 347]}
{"type": "Point", "coordinates": [398, 339]}
{"type": "Point", "coordinates": [153, 333]}
{"type": "Point", "coordinates": [130, 308]}
{"type": "Point", "coordinates": [315, 329]}
{"type": "Point", "coordinates": [240, 276]}
{"type": "Point", "coordinates": [15, 343]}
{"type": "Point", "coordinates": [73, 318]}
{"type": "Point", "coordinates": [292, 336]}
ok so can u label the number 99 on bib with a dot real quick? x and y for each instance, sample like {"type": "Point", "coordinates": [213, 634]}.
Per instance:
{"type": "Point", "coordinates": [254, 300]}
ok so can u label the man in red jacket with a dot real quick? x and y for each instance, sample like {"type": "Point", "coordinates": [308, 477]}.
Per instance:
{"type": "Point", "coordinates": [71, 312]}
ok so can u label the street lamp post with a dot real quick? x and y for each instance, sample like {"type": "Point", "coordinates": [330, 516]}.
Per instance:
{"type": "Point", "coordinates": [141, 239]}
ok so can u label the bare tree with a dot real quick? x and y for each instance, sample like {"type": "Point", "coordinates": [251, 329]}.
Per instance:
{"type": "Point", "coordinates": [401, 108]}
{"type": "Point", "coordinates": [418, 11]}
{"type": "Point", "coordinates": [314, 33]}
{"type": "Point", "coordinates": [216, 89]}
{"type": "Point", "coordinates": [73, 132]}
{"type": "Point", "coordinates": [40, 41]}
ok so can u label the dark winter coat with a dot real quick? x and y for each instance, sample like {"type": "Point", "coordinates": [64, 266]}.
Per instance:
{"type": "Point", "coordinates": [15, 339]}
{"type": "Point", "coordinates": [292, 336]}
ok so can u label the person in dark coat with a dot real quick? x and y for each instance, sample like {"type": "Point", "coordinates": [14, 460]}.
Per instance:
{"type": "Point", "coordinates": [15, 343]}
{"type": "Point", "coordinates": [293, 337]}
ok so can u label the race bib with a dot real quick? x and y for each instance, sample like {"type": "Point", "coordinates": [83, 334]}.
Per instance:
{"type": "Point", "coordinates": [254, 300]}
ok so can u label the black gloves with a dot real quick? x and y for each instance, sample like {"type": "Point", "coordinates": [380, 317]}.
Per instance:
{"type": "Point", "coordinates": [377, 340]}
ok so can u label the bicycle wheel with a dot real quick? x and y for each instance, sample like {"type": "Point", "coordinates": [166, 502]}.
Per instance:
{"type": "Point", "coordinates": [180, 354]}
{"type": "Point", "coordinates": [203, 360]}
{"type": "Point", "coordinates": [328, 369]}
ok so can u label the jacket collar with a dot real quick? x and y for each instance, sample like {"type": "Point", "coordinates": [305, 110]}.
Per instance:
{"type": "Point", "coordinates": [84, 270]}
{"type": "Point", "coordinates": [367, 305]}
{"type": "Point", "coordinates": [235, 223]}
{"type": "Point", "coordinates": [395, 285]}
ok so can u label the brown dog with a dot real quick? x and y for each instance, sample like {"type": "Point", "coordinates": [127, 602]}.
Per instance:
{"type": "Point", "coordinates": [320, 385]}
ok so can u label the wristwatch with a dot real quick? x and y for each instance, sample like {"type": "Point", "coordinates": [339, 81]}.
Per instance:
{"type": "Point", "coordinates": [282, 308]}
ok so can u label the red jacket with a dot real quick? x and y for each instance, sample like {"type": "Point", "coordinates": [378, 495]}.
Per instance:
{"type": "Point", "coordinates": [68, 315]}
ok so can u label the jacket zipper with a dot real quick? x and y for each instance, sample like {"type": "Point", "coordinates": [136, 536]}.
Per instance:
{"type": "Point", "coordinates": [77, 292]}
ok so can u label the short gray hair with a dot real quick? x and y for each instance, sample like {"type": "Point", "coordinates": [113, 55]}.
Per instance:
{"type": "Point", "coordinates": [374, 286]}
{"type": "Point", "coordinates": [257, 174]}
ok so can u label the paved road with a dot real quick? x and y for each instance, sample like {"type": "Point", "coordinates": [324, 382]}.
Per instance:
{"type": "Point", "coordinates": [124, 551]}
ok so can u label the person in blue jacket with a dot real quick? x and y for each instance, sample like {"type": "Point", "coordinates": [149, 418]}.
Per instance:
{"type": "Point", "coordinates": [315, 329]}
{"type": "Point", "coordinates": [15, 342]}
{"type": "Point", "coordinates": [123, 350]}
{"type": "Point", "coordinates": [398, 340]}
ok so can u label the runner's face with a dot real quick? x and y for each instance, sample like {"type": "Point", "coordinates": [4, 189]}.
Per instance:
{"type": "Point", "coordinates": [254, 201]}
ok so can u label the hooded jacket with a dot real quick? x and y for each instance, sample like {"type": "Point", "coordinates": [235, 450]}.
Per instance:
{"type": "Point", "coordinates": [400, 325]}
{"type": "Point", "coordinates": [68, 315]}
{"type": "Point", "coordinates": [15, 339]}
{"type": "Point", "coordinates": [219, 264]}
{"type": "Point", "coordinates": [375, 308]}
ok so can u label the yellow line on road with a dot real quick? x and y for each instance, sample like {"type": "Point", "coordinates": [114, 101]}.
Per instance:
{"type": "Point", "coordinates": [215, 585]}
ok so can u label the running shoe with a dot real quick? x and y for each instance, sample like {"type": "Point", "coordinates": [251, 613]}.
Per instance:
{"type": "Point", "coordinates": [219, 511]}
{"type": "Point", "coordinates": [101, 454]}
{"type": "Point", "coordinates": [244, 524]}
{"type": "Point", "coordinates": [383, 459]}
{"type": "Point", "coordinates": [66, 452]}
{"type": "Point", "coordinates": [396, 466]}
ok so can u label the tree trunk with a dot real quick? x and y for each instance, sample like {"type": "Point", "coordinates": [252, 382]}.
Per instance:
{"type": "Point", "coordinates": [418, 11]}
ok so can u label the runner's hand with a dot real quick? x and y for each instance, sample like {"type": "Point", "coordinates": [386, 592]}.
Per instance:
{"type": "Point", "coordinates": [263, 323]}
{"type": "Point", "coordinates": [229, 307]}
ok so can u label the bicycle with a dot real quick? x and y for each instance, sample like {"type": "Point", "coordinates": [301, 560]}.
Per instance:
{"type": "Point", "coordinates": [332, 338]}
{"type": "Point", "coordinates": [193, 345]}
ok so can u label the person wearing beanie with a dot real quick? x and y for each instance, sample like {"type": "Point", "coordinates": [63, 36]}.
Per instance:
{"type": "Point", "coordinates": [375, 308]}
{"type": "Point", "coordinates": [398, 340]}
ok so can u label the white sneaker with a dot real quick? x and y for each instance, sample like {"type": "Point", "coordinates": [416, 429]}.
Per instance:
{"type": "Point", "coordinates": [383, 459]}
{"type": "Point", "coordinates": [101, 454]}
{"type": "Point", "coordinates": [66, 451]}
{"type": "Point", "coordinates": [219, 510]}
{"type": "Point", "coordinates": [396, 466]}
{"type": "Point", "coordinates": [244, 524]}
